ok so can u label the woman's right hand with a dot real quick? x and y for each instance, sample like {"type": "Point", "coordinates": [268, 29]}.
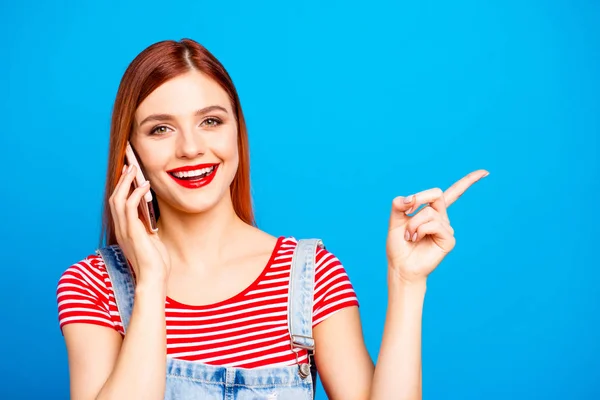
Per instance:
{"type": "Point", "coordinates": [145, 251]}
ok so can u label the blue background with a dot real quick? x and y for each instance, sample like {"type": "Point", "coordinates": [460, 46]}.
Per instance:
{"type": "Point", "coordinates": [348, 105]}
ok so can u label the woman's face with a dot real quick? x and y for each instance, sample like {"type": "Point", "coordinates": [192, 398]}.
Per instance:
{"type": "Point", "coordinates": [185, 134]}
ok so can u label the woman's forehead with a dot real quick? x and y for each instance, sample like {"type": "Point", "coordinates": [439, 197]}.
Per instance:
{"type": "Point", "coordinates": [183, 96]}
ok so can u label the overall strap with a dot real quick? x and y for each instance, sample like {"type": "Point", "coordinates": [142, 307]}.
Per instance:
{"type": "Point", "coordinates": [121, 279]}
{"type": "Point", "coordinates": [301, 294]}
{"type": "Point", "coordinates": [300, 304]}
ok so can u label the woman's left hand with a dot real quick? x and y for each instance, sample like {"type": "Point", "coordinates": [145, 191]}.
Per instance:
{"type": "Point", "coordinates": [417, 244]}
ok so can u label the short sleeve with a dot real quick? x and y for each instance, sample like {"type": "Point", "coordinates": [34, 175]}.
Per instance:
{"type": "Point", "coordinates": [82, 295]}
{"type": "Point", "coordinates": [333, 289]}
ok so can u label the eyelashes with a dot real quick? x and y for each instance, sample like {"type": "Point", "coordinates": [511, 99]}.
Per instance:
{"type": "Point", "coordinates": [210, 122]}
{"type": "Point", "coordinates": [155, 131]}
{"type": "Point", "coordinates": [215, 121]}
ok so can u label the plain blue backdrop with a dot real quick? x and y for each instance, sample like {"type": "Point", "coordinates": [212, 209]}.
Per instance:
{"type": "Point", "coordinates": [348, 105]}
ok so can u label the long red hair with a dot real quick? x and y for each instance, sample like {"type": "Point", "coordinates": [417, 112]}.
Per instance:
{"type": "Point", "coordinates": [150, 69]}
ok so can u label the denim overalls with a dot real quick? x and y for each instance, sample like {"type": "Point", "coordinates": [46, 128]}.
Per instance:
{"type": "Point", "coordinates": [194, 380]}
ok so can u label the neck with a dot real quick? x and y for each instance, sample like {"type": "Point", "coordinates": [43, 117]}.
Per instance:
{"type": "Point", "coordinates": [194, 240]}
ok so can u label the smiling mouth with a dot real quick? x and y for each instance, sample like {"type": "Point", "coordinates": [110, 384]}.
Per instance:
{"type": "Point", "coordinates": [193, 175]}
{"type": "Point", "coordinates": [194, 178]}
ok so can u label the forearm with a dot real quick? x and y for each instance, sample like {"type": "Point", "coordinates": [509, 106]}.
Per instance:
{"type": "Point", "coordinates": [398, 370]}
{"type": "Point", "coordinates": [140, 369]}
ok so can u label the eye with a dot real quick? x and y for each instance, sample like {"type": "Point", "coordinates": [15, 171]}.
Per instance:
{"type": "Point", "coordinates": [159, 130]}
{"type": "Point", "coordinates": [211, 121]}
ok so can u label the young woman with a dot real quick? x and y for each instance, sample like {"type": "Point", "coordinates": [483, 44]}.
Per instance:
{"type": "Point", "coordinates": [211, 307]}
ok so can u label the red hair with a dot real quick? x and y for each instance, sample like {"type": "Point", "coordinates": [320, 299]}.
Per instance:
{"type": "Point", "coordinates": [151, 68]}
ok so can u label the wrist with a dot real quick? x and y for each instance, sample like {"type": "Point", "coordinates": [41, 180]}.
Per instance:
{"type": "Point", "coordinates": [406, 286]}
{"type": "Point", "coordinates": [151, 286]}
{"type": "Point", "coordinates": [151, 274]}
{"type": "Point", "coordinates": [394, 275]}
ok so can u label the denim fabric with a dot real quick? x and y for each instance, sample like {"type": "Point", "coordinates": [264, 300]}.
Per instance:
{"type": "Point", "coordinates": [195, 380]}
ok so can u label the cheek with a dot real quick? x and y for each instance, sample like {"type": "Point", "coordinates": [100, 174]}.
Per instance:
{"type": "Point", "coordinates": [226, 147]}
{"type": "Point", "coordinates": [155, 159]}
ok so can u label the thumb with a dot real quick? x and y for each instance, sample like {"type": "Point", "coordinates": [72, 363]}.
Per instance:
{"type": "Point", "coordinates": [400, 205]}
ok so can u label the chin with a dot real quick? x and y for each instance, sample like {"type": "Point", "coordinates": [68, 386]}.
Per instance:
{"type": "Point", "coordinates": [196, 208]}
{"type": "Point", "coordinates": [194, 200]}
{"type": "Point", "coordinates": [196, 204]}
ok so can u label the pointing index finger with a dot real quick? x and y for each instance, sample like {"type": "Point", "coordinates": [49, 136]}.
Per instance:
{"type": "Point", "coordinates": [457, 189]}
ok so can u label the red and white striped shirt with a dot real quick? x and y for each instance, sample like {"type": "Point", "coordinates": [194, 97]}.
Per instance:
{"type": "Point", "coordinates": [248, 330]}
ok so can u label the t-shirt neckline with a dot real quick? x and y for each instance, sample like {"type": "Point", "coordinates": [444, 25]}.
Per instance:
{"type": "Point", "coordinates": [239, 295]}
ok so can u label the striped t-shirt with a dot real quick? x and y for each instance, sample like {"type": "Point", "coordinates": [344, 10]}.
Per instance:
{"type": "Point", "coordinates": [248, 330]}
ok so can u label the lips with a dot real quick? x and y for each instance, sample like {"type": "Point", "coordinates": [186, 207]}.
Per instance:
{"type": "Point", "coordinates": [194, 176]}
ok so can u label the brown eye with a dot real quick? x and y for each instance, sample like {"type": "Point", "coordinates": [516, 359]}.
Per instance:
{"type": "Point", "coordinates": [159, 130]}
{"type": "Point", "coordinates": [211, 122]}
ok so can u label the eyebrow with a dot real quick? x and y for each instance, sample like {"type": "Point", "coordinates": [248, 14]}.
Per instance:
{"type": "Point", "coordinates": [169, 117]}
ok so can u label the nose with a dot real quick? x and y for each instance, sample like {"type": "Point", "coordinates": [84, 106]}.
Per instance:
{"type": "Point", "coordinates": [190, 144]}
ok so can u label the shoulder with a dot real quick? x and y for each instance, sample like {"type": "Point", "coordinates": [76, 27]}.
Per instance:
{"type": "Point", "coordinates": [323, 257]}
{"type": "Point", "coordinates": [88, 273]}
{"type": "Point", "coordinates": [84, 295]}
{"type": "Point", "coordinates": [91, 266]}
{"type": "Point", "coordinates": [333, 290]}
{"type": "Point", "coordinates": [328, 268]}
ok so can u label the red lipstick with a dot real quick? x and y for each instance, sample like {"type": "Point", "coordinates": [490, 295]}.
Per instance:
{"type": "Point", "coordinates": [194, 182]}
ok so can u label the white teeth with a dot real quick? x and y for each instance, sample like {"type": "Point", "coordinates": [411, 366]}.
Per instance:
{"type": "Point", "coordinates": [195, 173]}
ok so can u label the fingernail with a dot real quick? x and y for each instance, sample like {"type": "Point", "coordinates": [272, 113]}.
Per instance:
{"type": "Point", "coordinates": [130, 168]}
{"type": "Point", "coordinates": [408, 199]}
{"type": "Point", "coordinates": [414, 238]}
{"type": "Point", "coordinates": [486, 174]}
{"type": "Point", "coordinates": [146, 183]}
{"type": "Point", "coordinates": [408, 211]}
{"type": "Point", "coordinates": [123, 170]}
{"type": "Point", "coordinates": [406, 236]}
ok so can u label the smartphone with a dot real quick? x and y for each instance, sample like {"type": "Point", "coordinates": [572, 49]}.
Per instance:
{"type": "Point", "coordinates": [145, 208]}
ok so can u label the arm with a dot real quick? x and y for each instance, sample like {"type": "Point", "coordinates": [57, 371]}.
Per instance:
{"type": "Point", "coordinates": [415, 247]}
{"type": "Point", "coordinates": [103, 366]}
{"type": "Point", "coordinates": [345, 367]}
{"type": "Point", "coordinates": [344, 364]}
{"type": "Point", "coordinates": [398, 369]}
